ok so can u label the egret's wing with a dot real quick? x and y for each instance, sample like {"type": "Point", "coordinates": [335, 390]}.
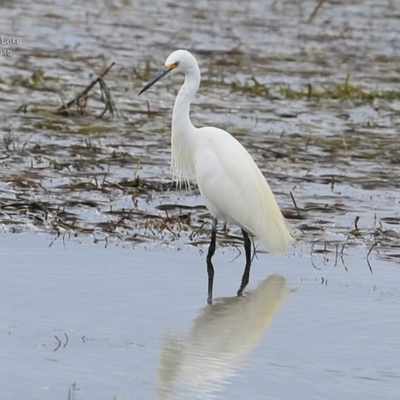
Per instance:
{"type": "Point", "coordinates": [235, 190]}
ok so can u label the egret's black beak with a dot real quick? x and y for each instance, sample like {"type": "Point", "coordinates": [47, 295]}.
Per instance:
{"type": "Point", "coordinates": [162, 73]}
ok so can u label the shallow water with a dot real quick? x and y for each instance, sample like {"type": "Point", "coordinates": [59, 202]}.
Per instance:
{"type": "Point", "coordinates": [103, 277]}
{"type": "Point", "coordinates": [128, 323]}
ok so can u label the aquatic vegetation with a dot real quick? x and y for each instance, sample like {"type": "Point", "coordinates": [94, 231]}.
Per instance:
{"type": "Point", "coordinates": [342, 92]}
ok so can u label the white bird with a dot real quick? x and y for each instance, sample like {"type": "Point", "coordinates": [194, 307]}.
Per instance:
{"type": "Point", "coordinates": [231, 184]}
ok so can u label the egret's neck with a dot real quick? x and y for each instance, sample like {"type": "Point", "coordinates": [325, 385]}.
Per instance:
{"type": "Point", "coordinates": [180, 118]}
{"type": "Point", "coordinates": [183, 138]}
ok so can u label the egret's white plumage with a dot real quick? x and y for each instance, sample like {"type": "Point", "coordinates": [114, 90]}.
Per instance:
{"type": "Point", "coordinates": [233, 187]}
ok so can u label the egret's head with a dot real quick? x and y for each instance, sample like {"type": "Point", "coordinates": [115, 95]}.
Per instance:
{"type": "Point", "coordinates": [179, 60]}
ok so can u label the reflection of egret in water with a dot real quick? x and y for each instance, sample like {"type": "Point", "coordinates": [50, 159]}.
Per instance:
{"type": "Point", "coordinates": [221, 337]}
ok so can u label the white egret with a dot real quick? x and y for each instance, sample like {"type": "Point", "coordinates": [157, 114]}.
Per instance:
{"type": "Point", "coordinates": [231, 184]}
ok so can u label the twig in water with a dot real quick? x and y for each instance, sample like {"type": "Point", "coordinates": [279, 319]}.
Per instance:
{"type": "Point", "coordinates": [58, 343]}
{"type": "Point", "coordinates": [107, 99]}
{"type": "Point", "coordinates": [82, 95]}
{"type": "Point", "coordinates": [315, 12]}
{"type": "Point", "coordinates": [254, 250]}
{"type": "Point", "coordinates": [66, 341]}
{"type": "Point", "coordinates": [71, 391]}
{"type": "Point", "coordinates": [356, 222]}
{"type": "Point", "coordinates": [369, 252]}
{"type": "Point", "coordinates": [294, 203]}
{"type": "Point", "coordinates": [148, 108]}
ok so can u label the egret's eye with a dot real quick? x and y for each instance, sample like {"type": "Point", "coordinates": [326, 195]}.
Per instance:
{"type": "Point", "coordinates": [173, 65]}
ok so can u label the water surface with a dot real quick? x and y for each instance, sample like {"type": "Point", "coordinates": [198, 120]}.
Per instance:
{"type": "Point", "coordinates": [128, 323]}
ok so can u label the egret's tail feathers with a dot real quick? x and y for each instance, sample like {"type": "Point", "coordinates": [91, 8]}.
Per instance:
{"type": "Point", "coordinates": [276, 237]}
{"type": "Point", "coordinates": [272, 228]}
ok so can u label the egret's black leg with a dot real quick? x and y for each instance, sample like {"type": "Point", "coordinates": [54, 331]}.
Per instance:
{"type": "Point", "coordinates": [210, 267]}
{"type": "Point", "coordinates": [246, 273]}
